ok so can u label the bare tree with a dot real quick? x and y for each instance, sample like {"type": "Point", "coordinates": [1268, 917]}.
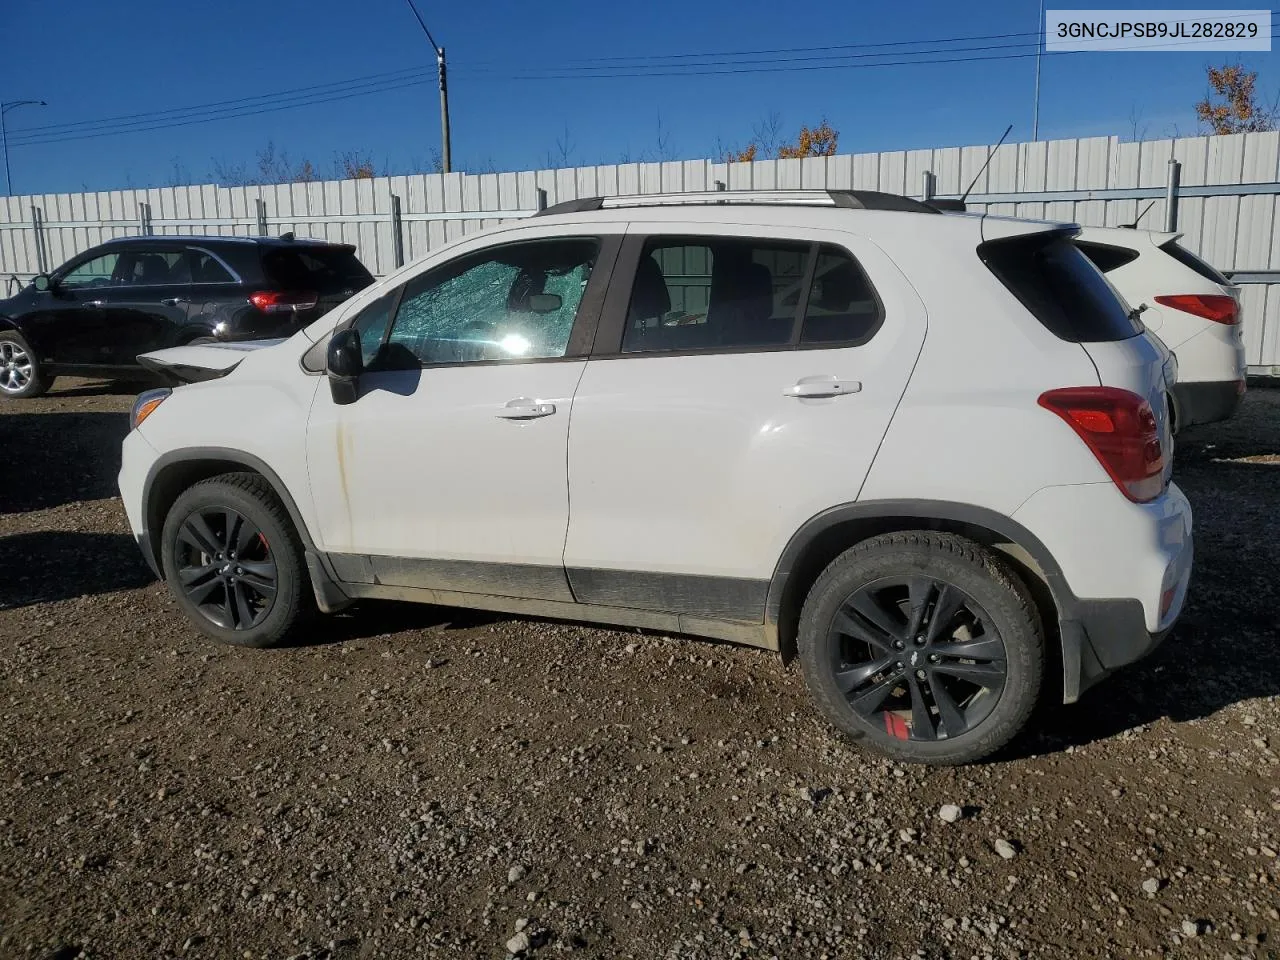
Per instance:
{"type": "Point", "coordinates": [1138, 127]}
{"type": "Point", "coordinates": [563, 152]}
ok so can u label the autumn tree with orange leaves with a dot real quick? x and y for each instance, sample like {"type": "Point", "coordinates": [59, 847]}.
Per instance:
{"type": "Point", "coordinates": [819, 141]}
{"type": "Point", "coordinates": [1232, 103]}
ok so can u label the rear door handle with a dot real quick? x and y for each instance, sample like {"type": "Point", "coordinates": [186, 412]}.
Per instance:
{"type": "Point", "coordinates": [97, 303]}
{"type": "Point", "coordinates": [173, 301]}
{"type": "Point", "coordinates": [522, 408]}
{"type": "Point", "coordinates": [813, 387]}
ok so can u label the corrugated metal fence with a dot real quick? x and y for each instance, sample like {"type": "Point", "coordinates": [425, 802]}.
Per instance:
{"type": "Point", "coordinates": [1228, 205]}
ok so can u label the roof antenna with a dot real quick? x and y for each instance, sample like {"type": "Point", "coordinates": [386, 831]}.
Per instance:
{"type": "Point", "coordinates": [991, 153]}
{"type": "Point", "coordinates": [1138, 219]}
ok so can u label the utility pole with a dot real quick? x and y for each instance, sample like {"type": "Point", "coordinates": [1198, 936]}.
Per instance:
{"type": "Point", "coordinates": [1035, 116]}
{"type": "Point", "coordinates": [4, 137]}
{"type": "Point", "coordinates": [445, 153]}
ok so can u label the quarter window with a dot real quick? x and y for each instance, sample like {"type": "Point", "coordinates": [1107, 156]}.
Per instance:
{"type": "Point", "coordinates": [516, 302]}
{"type": "Point", "coordinates": [843, 306]}
{"type": "Point", "coordinates": [371, 323]}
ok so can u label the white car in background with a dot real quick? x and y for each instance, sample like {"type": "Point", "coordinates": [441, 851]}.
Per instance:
{"type": "Point", "coordinates": [1189, 305]}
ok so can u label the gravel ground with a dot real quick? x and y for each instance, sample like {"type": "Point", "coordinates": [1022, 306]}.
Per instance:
{"type": "Point", "coordinates": [417, 781]}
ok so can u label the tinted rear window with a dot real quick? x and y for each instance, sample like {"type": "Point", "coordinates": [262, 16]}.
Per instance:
{"type": "Point", "coordinates": [326, 270]}
{"type": "Point", "coordinates": [1189, 259]}
{"type": "Point", "coordinates": [1058, 284]}
{"type": "Point", "coordinates": [1105, 256]}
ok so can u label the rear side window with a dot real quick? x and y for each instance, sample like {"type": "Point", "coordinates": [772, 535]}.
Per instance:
{"type": "Point", "coordinates": [1189, 259]}
{"type": "Point", "coordinates": [1105, 256]}
{"type": "Point", "coordinates": [1060, 286]}
{"type": "Point", "coordinates": [725, 293]}
{"type": "Point", "coordinates": [326, 270]}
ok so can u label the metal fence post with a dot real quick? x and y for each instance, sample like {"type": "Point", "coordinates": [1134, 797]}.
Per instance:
{"type": "Point", "coordinates": [1171, 197]}
{"type": "Point", "coordinates": [542, 199]}
{"type": "Point", "coordinates": [144, 219]}
{"type": "Point", "coordinates": [927, 188]}
{"type": "Point", "coordinates": [37, 224]}
{"type": "Point", "coordinates": [397, 232]}
{"type": "Point", "coordinates": [262, 216]}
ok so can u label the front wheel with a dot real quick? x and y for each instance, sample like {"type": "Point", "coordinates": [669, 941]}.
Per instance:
{"type": "Point", "coordinates": [20, 375]}
{"type": "Point", "coordinates": [925, 644]}
{"type": "Point", "coordinates": [234, 562]}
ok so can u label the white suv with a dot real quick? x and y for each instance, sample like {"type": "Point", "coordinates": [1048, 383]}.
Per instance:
{"type": "Point", "coordinates": [928, 454]}
{"type": "Point", "coordinates": [1188, 304]}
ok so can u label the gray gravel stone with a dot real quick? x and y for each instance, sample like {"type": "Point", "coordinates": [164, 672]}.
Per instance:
{"type": "Point", "coordinates": [949, 813]}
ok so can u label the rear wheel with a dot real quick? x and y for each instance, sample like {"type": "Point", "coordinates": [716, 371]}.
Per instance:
{"type": "Point", "coordinates": [234, 562]}
{"type": "Point", "coordinates": [925, 644]}
{"type": "Point", "coordinates": [20, 374]}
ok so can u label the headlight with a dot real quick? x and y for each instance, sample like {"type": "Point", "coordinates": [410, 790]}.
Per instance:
{"type": "Point", "coordinates": [146, 404]}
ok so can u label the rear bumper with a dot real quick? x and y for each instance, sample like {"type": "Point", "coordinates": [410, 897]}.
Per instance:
{"type": "Point", "coordinates": [1207, 401]}
{"type": "Point", "coordinates": [1103, 636]}
{"type": "Point", "coordinates": [1123, 575]}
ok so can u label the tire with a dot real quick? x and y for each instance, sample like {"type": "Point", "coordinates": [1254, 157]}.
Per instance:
{"type": "Point", "coordinates": [20, 375]}
{"type": "Point", "coordinates": [957, 687]}
{"type": "Point", "coordinates": [255, 596]}
{"type": "Point", "coordinates": [200, 341]}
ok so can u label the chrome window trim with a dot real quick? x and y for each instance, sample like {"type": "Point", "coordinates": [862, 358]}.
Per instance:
{"type": "Point", "coordinates": [235, 277]}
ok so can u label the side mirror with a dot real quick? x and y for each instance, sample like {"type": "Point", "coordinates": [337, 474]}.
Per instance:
{"type": "Point", "coordinates": [344, 365]}
{"type": "Point", "coordinates": [41, 282]}
{"type": "Point", "coordinates": [544, 303]}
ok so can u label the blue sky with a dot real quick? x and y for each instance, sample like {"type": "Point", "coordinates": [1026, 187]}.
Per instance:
{"type": "Point", "coordinates": [92, 60]}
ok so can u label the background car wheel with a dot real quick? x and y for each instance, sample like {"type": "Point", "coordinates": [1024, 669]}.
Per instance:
{"type": "Point", "coordinates": [925, 644]}
{"type": "Point", "coordinates": [234, 562]}
{"type": "Point", "coordinates": [20, 376]}
{"type": "Point", "coordinates": [199, 341]}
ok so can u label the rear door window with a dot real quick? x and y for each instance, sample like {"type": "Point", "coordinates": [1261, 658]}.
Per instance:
{"type": "Point", "coordinates": [1061, 287]}
{"type": "Point", "coordinates": [324, 270]}
{"type": "Point", "coordinates": [1189, 259]}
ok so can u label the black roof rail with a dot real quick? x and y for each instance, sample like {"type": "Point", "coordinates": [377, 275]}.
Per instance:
{"type": "Point", "coordinates": [848, 199]}
{"type": "Point", "coordinates": [580, 205]}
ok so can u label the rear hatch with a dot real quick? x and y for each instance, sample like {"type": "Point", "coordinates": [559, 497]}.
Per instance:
{"type": "Point", "coordinates": [313, 277]}
{"type": "Point", "coordinates": [1071, 298]}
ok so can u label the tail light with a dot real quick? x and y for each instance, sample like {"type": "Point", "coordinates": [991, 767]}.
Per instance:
{"type": "Point", "coordinates": [1120, 428]}
{"type": "Point", "coordinates": [276, 301]}
{"type": "Point", "coordinates": [1215, 307]}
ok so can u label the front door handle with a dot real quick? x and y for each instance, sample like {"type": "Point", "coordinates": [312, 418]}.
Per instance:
{"type": "Point", "coordinates": [812, 387]}
{"type": "Point", "coordinates": [173, 301]}
{"type": "Point", "coordinates": [522, 408]}
{"type": "Point", "coordinates": [96, 303]}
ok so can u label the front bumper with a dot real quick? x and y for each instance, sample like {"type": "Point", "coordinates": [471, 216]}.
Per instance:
{"type": "Point", "coordinates": [136, 458]}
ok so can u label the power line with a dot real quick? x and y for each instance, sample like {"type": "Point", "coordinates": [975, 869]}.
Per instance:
{"type": "Point", "coordinates": [270, 108]}
{"type": "Point", "coordinates": [156, 114]}
{"type": "Point", "coordinates": [409, 77]}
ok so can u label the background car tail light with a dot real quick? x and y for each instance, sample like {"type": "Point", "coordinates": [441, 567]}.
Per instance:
{"type": "Point", "coordinates": [1215, 307]}
{"type": "Point", "coordinates": [1121, 430]}
{"type": "Point", "coordinates": [275, 301]}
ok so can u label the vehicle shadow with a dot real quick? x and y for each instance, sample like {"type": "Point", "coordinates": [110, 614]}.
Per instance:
{"type": "Point", "coordinates": [369, 619]}
{"type": "Point", "coordinates": [1224, 648]}
{"type": "Point", "coordinates": [50, 565]}
{"type": "Point", "coordinates": [105, 388]}
{"type": "Point", "coordinates": [56, 458]}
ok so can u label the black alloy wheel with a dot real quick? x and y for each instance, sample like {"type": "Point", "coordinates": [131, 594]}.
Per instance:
{"type": "Point", "coordinates": [918, 656]}
{"type": "Point", "coordinates": [226, 567]}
